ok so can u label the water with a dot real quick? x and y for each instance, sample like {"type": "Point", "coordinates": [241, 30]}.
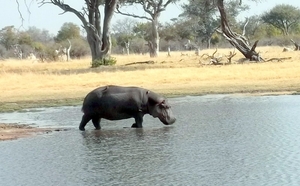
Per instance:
{"type": "Point", "coordinates": [216, 140]}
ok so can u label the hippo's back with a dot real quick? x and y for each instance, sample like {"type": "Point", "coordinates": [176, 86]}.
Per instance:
{"type": "Point", "coordinates": [103, 99]}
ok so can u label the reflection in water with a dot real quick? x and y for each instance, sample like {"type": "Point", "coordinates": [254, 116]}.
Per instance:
{"type": "Point", "coordinates": [125, 156]}
{"type": "Point", "coordinates": [216, 140]}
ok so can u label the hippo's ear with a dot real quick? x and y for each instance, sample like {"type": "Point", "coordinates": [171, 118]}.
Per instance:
{"type": "Point", "coordinates": [153, 98]}
{"type": "Point", "coordinates": [164, 104]}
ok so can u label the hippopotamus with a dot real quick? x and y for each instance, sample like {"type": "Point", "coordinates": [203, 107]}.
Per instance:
{"type": "Point", "coordinates": [116, 103]}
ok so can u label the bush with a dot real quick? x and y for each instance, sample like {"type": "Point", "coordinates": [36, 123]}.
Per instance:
{"type": "Point", "coordinates": [105, 61]}
{"type": "Point", "coordinates": [80, 48]}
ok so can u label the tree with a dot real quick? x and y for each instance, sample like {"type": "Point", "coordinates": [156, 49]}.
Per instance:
{"type": "Point", "coordinates": [153, 8]}
{"type": "Point", "coordinates": [141, 30]}
{"type": "Point", "coordinates": [282, 17]}
{"type": "Point", "coordinates": [39, 35]}
{"type": "Point", "coordinates": [68, 31]}
{"type": "Point", "coordinates": [238, 41]}
{"type": "Point", "coordinates": [204, 14]}
{"type": "Point", "coordinates": [8, 37]}
{"type": "Point", "coordinates": [98, 36]}
{"type": "Point", "coordinates": [123, 32]}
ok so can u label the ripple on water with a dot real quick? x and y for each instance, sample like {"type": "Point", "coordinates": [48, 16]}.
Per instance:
{"type": "Point", "coordinates": [216, 140]}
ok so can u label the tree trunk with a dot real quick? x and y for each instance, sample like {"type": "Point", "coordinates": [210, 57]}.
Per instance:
{"type": "Point", "coordinates": [169, 51]}
{"type": "Point", "coordinates": [237, 40]}
{"type": "Point", "coordinates": [68, 50]}
{"type": "Point", "coordinates": [99, 40]}
{"type": "Point", "coordinates": [154, 43]}
{"type": "Point", "coordinates": [208, 42]}
{"type": "Point", "coordinates": [127, 46]}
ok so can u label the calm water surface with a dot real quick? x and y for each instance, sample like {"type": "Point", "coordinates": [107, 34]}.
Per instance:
{"type": "Point", "coordinates": [216, 140]}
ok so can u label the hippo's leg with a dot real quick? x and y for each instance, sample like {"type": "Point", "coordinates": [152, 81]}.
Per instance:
{"type": "Point", "coordinates": [138, 121]}
{"type": "Point", "coordinates": [96, 121]}
{"type": "Point", "coordinates": [85, 119]}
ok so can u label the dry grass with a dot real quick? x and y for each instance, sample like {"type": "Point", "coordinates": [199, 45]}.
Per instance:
{"type": "Point", "coordinates": [27, 81]}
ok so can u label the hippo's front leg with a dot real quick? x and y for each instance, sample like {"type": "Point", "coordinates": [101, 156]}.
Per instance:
{"type": "Point", "coordinates": [138, 121]}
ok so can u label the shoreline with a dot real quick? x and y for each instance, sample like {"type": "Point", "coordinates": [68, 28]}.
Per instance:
{"type": "Point", "coordinates": [42, 85]}
{"type": "Point", "coordinates": [15, 131]}
{"type": "Point", "coordinates": [29, 104]}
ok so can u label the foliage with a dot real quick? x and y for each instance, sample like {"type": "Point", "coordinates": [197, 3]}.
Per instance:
{"type": "Point", "coordinates": [98, 35]}
{"type": "Point", "coordinates": [153, 9]}
{"type": "Point", "coordinates": [282, 17]}
{"type": "Point", "coordinates": [80, 48]}
{"type": "Point", "coordinates": [168, 32]}
{"type": "Point", "coordinates": [105, 61]}
{"type": "Point", "coordinates": [138, 46]}
{"type": "Point", "coordinates": [39, 35]}
{"type": "Point", "coordinates": [203, 17]}
{"type": "Point", "coordinates": [123, 31]}
{"type": "Point", "coordinates": [142, 30]}
{"type": "Point", "coordinates": [24, 39]}
{"type": "Point", "coordinates": [8, 37]}
{"type": "Point", "coordinates": [68, 31]}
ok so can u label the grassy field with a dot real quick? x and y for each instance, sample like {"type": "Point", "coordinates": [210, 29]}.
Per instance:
{"type": "Point", "coordinates": [31, 84]}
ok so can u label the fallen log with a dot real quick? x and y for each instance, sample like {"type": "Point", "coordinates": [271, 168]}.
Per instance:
{"type": "Point", "coordinates": [140, 62]}
{"type": "Point", "coordinates": [278, 59]}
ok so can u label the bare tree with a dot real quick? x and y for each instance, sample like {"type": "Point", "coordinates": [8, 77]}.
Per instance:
{"type": "Point", "coordinates": [123, 32]}
{"type": "Point", "coordinates": [98, 37]}
{"type": "Point", "coordinates": [238, 41]}
{"type": "Point", "coordinates": [154, 9]}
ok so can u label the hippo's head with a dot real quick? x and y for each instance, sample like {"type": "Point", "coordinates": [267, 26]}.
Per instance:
{"type": "Point", "coordinates": [159, 107]}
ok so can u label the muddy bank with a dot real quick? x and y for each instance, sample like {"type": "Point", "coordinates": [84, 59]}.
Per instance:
{"type": "Point", "coordinates": [15, 131]}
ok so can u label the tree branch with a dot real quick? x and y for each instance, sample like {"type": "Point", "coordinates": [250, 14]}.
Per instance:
{"type": "Point", "coordinates": [244, 28]}
{"type": "Point", "coordinates": [132, 15]}
{"type": "Point", "coordinates": [21, 16]}
{"type": "Point", "coordinates": [66, 8]}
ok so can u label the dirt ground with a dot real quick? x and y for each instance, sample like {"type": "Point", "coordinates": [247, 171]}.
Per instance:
{"type": "Point", "coordinates": [15, 131]}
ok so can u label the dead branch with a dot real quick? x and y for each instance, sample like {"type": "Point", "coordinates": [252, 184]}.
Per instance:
{"type": "Point", "coordinates": [238, 41]}
{"type": "Point", "coordinates": [297, 47]}
{"type": "Point", "coordinates": [278, 59]}
{"type": "Point", "coordinates": [20, 14]}
{"type": "Point", "coordinates": [205, 55]}
{"type": "Point", "coordinates": [214, 52]}
{"type": "Point", "coordinates": [140, 62]}
{"type": "Point", "coordinates": [244, 28]}
{"type": "Point", "coordinates": [230, 56]}
{"type": "Point", "coordinates": [132, 15]}
{"type": "Point", "coordinates": [212, 59]}
{"type": "Point", "coordinates": [184, 54]}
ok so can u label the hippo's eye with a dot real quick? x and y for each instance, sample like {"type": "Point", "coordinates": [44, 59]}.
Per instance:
{"type": "Point", "coordinates": [164, 106]}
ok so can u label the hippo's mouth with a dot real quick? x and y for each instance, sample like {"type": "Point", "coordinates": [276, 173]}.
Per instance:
{"type": "Point", "coordinates": [166, 120]}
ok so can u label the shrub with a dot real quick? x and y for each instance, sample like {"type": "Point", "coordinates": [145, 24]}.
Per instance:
{"type": "Point", "coordinates": [105, 61]}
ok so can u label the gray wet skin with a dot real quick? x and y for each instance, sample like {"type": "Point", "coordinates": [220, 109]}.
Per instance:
{"type": "Point", "coordinates": [117, 103]}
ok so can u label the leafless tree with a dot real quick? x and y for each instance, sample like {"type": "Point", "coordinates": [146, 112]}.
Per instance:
{"type": "Point", "coordinates": [238, 41]}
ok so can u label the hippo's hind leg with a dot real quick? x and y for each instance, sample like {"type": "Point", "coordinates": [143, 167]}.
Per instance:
{"type": "Point", "coordinates": [96, 121]}
{"type": "Point", "coordinates": [85, 119]}
{"type": "Point", "coordinates": [138, 121]}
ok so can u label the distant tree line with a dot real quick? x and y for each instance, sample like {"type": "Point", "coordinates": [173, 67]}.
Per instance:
{"type": "Point", "coordinates": [41, 44]}
{"type": "Point", "coordinates": [199, 26]}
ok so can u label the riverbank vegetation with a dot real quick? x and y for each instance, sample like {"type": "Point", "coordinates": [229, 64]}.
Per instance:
{"type": "Point", "coordinates": [27, 84]}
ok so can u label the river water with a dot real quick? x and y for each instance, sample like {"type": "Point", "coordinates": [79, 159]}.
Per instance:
{"type": "Point", "coordinates": [216, 140]}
